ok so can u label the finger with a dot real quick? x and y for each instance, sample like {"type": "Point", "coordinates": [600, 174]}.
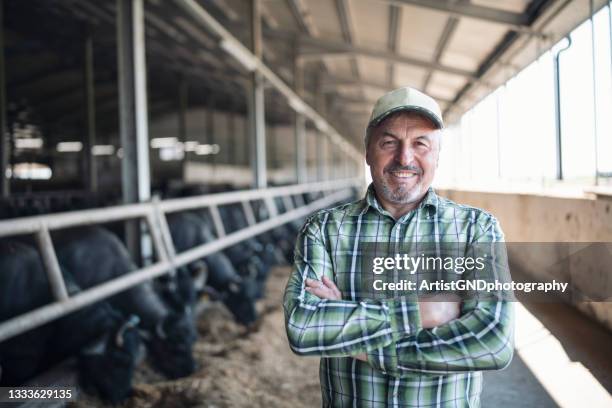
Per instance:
{"type": "Point", "coordinates": [321, 292]}
{"type": "Point", "coordinates": [330, 284]}
{"type": "Point", "coordinates": [310, 281]}
{"type": "Point", "coordinates": [312, 291]}
{"type": "Point", "coordinates": [313, 283]}
{"type": "Point", "coordinates": [335, 289]}
{"type": "Point", "coordinates": [362, 357]}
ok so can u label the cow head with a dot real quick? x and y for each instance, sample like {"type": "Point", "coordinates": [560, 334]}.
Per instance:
{"type": "Point", "coordinates": [171, 345]}
{"type": "Point", "coordinates": [240, 299]}
{"type": "Point", "coordinates": [106, 368]}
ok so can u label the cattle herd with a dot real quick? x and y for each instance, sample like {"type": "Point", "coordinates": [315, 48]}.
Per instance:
{"type": "Point", "coordinates": [155, 320]}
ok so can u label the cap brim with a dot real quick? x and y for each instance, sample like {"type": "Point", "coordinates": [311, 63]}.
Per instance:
{"type": "Point", "coordinates": [409, 108]}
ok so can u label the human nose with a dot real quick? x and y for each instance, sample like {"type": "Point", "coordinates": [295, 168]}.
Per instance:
{"type": "Point", "coordinates": [405, 154]}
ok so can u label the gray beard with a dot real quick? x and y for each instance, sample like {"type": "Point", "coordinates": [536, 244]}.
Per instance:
{"type": "Point", "coordinates": [401, 195]}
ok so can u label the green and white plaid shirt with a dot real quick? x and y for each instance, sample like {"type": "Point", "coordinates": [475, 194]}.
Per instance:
{"type": "Point", "coordinates": [407, 365]}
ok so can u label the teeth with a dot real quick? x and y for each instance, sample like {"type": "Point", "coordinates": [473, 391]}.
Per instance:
{"type": "Point", "coordinates": [403, 174]}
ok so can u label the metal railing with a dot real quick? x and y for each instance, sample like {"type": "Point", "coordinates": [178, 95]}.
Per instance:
{"type": "Point", "coordinates": [154, 213]}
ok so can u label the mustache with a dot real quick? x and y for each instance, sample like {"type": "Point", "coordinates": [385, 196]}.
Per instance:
{"type": "Point", "coordinates": [396, 167]}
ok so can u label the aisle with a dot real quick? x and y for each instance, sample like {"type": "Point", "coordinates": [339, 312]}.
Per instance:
{"type": "Point", "coordinates": [562, 359]}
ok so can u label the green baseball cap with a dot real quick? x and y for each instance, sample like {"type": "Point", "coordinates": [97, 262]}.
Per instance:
{"type": "Point", "coordinates": [406, 99]}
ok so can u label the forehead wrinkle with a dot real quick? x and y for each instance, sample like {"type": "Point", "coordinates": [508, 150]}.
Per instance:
{"type": "Point", "coordinates": [389, 133]}
{"type": "Point", "coordinates": [410, 133]}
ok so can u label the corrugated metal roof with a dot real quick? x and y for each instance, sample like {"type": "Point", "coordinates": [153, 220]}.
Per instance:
{"type": "Point", "coordinates": [457, 51]}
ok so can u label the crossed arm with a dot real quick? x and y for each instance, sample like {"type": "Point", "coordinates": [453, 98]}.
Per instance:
{"type": "Point", "coordinates": [396, 336]}
{"type": "Point", "coordinates": [434, 311]}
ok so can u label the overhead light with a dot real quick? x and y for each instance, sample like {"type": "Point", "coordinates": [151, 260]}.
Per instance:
{"type": "Point", "coordinates": [31, 171]}
{"type": "Point", "coordinates": [191, 146]}
{"type": "Point", "coordinates": [203, 150]}
{"type": "Point", "coordinates": [238, 51]}
{"type": "Point", "coordinates": [29, 143]}
{"type": "Point", "coordinates": [103, 150]}
{"type": "Point", "coordinates": [65, 147]}
{"type": "Point", "coordinates": [161, 142]}
{"type": "Point", "coordinates": [206, 149]}
{"type": "Point", "coordinates": [172, 153]}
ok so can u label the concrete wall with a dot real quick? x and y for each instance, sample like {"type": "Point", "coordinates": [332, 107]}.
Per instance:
{"type": "Point", "coordinates": [534, 218]}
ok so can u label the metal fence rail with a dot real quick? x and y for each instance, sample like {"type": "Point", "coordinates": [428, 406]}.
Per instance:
{"type": "Point", "coordinates": [154, 214]}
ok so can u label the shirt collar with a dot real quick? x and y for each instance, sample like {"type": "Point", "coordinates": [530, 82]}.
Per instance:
{"type": "Point", "coordinates": [429, 202]}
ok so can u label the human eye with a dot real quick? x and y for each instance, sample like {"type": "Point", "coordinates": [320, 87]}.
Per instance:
{"type": "Point", "coordinates": [422, 143]}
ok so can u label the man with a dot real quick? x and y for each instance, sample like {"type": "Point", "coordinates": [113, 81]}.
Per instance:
{"type": "Point", "coordinates": [396, 351]}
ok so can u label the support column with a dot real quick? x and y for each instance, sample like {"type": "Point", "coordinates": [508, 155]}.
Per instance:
{"type": "Point", "coordinates": [91, 170]}
{"type": "Point", "coordinates": [5, 145]}
{"type": "Point", "coordinates": [210, 126]}
{"type": "Point", "coordinates": [346, 165]}
{"type": "Point", "coordinates": [320, 151]}
{"type": "Point", "coordinates": [274, 162]}
{"type": "Point", "coordinates": [326, 157]}
{"type": "Point", "coordinates": [332, 161]}
{"type": "Point", "coordinates": [595, 104]}
{"type": "Point", "coordinates": [233, 139]}
{"type": "Point", "coordinates": [257, 128]}
{"type": "Point", "coordinates": [301, 175]}
{"type": "Point", "coordinates": [558, 123]}
{"type": "Point", "coordinates": [133, 125]}
{"type": "Point", "coordinates": [183, 100]}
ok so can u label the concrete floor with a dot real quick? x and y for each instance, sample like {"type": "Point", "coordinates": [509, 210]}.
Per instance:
{"type": "Point", "coordinates": [562, 359]}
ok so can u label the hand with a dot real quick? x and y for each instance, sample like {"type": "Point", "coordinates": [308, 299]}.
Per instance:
{"type": "Point", "coordinates": [438, 310]}
{"type": "Point", "coordinates": [435, 311]}
{"type": "Point", "coordinates": [324, 289]}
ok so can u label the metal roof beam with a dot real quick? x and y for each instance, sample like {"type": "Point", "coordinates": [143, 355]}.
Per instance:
{"type": "Point", "coordinates": [535, 9]}
{"type": "Point", "coordinates": [329, 83]}
{"type": "Point", "coordinates": [252, 63]}
{"type": "Point", "coordinates": [493, 15]}
{"type": "Point", "coordinates": [311, 48]}
{"type": "Point", "coordinates": [296, 11]}
{"type": "Point", "coordinates": [447, 33]}
{"type": "Point", "coordinates": [347, 32]}
{"type": "Point", "coordinates": [395, 18]}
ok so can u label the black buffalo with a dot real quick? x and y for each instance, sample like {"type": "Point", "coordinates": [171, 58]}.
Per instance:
{"type": "Point", "coordinates": [95, 255]}
{"type": "Point", "coordinates": [237, 292]}
{"type": "Point", "coordinates": [105, 342]}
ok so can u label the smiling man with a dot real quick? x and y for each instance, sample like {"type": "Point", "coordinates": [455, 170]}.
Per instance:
{"type": "Point", "coordinates": [402, 350]}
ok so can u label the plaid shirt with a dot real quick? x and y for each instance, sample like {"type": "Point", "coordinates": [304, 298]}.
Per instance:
{"type": "Point", "coordinates": [407, 365]}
